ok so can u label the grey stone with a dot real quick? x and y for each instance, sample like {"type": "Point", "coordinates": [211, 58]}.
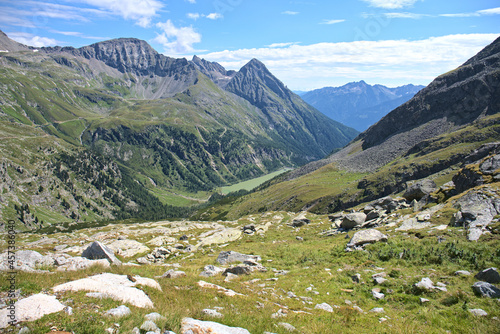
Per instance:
{"type": "Point", "coordinates": [238, 270]}
{"type": "Point", "coordinates": [210, 270]}
{"type": "Point", "coordinates": [365, 237]}
{"type": "Point", "coordinates": [174, 274]}
{"type": "Point", "coordinates": [287, 326]}
{"type": "Point", "coordinates": [490, 165]}
{"type": "Point", "coordinates": [353, 220]}
{"type": "Point", "coordinates": [119, 311]}
{"type": "Point", "coordinates": [462, 273]}
{"type": "Point", "coordinates": [127, 248]}
{"type": "Point", "coordinates": [377, 295]}
{"type": "Point", "coordinates": [191, 326]}
{"type": "Point", "coordinates": [324, 307]}
{"type": "Point", "coordinates": [379, 280]}
{"type": "Point", "coordinates": [356, 278]}
{"type": "Point", "coordinates": [212, 313]}
{"type": "Point", "coordinates": [31, 308]}
{"type": "Point", "coordinates": [154, 317]}
{"type": "Point", "coordinates": [97, 250]}
{"type": "Point", "coordinates": [489, 275]}
{"type": "Point", "coordinates": [412, 224]}
{"type": "Point", "coordinates": [425, 284]}
{"type": "Point", "coordinates": [24, 330]}
{"type": "Point", "coordinates": [478, 312]}
{"type": "Point", "coordinates": [149, 325]}
{"type": "Point", "coordinates": [486, 289]}
{"type": "Point", "coordinates": [231, 257]}
{"type": "Point", "coordinates": [419, 189]}
{"type": "Point", "coordinates": [377, 310]}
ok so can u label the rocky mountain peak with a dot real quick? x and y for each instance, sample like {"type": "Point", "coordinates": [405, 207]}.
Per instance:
{"type": "Point", "coordinates": [9, 45]}
{"type": "Point", "coordinates": [215, 71]}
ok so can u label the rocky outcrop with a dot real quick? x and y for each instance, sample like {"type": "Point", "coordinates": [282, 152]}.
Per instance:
{"type": "Point", "coordinates": [97, 250]}
{"type": "Point", "coordinates": [216, 72]}
{"type": "Point", "coordinates": [30, 309]}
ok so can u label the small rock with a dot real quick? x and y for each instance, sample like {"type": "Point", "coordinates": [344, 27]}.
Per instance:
{"type": "Point", "coordinates": [356, 278]}
{"type": "Point", "coordinates": [425, 284]}
{"type": "Point", "coordinates": [366, 236]}
{"type": "Point", "coordinates": [280, 314]}
{"type": "Point", "coordinates": [212, 313]}
{"type": "Point", "coordinates": [190, 325]}
{"type": "Point", "coordinates": [377, 310]}
{"type": "Point", "coordinates": [424, 300]}
{"type": "Point", "coordinates": [210, 270]}
{"type": "Point", "coordinates": [379, 280]}
{"type": "Point", "coordinates": [149, 325]}
{"type": "Point", "coordinates": [489, 275]}
{"type": "Point", "coordinates": [24, 330]}
{"type": "Point", "coordinates": [478, 312]}
{"type": "Point", "coordinates": [462, 273]}
{"type": "Point", "coordinates": [287, 326]}
{"type": "Point", "coordinates": [324, 307]}
{"type": "Point", "coordinates": [377, 295]}
{"type": "Point", "coordinates": [119, 311]}
{"type": "Point", "coordinates": [230, 257]}
{"type": "Point", "coordinates": [154, 317]}
{"type": "Point", "coordinates": [486, 289]}
{"type": "Point", "coordinates": [173, 274]}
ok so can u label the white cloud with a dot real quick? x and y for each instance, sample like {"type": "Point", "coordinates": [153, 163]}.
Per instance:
{"type": "Point", "coordinates": [281, 45]}
{"type": "Point", "coordinates": [390, 62]}
{"type": "Point", "coordinates": [193, 16]}
{"type": "Point", "coordinates": [214, 16]}
{"type": "Point", "coordinates": [391, 4]}
{"type": "Point", "coordinates": [191, 1]}
{"type": "Point", "coordinates": [32, 40]}
{"type": "Point", "coordinates": [332, 21]}
{"type": "Point", "coordinates": [491, 11]}
{"type": "Point", "coordinates": [289, 12]}
{"type": "Point", "coordinates": [141, 11]}
{"type": "Point", "coordinates": [405, 15]}
{"type": "Point", "coordinates": [177, 40]}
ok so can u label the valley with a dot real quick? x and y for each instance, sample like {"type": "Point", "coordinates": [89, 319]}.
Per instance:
{"type": "Point", "coordinates": [147, 194]}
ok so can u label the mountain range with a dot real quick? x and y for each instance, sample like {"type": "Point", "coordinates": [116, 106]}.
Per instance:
{"type": "Point", "coordinates": [433, 135]}
{"type": "Point", "coordinates": [358, 104]}
{"type": "Point", "coordinates": [117, 130]}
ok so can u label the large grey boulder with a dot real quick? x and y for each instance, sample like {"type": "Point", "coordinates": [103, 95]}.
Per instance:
{"type": "Point", "coordinates": [300, 220]}
{"type": "Point", "coordinates": [486, 289]}
{"type": "Point", "coordinates": [353, 220]}
{"type": "Point", "coordinates": [25, 260]}
{"type": "Point", "coordinates": [419, 189]}
{"type": "Point", "coordinates": [477, 210]}
{"type": "Point", "coordinates": [97, 250]}
{"type": "Point", "coordinates": [366, 237]}
{"type": "Point", "coordinates": [30, 309]}
{"type": "Point", "coordinates": [117, 287]}
{"type": "Point", "coordinates": [192, 326]}
{"type": "Point", "coordinates": [489, 275]}
{"type": "Point", "coordinates": [231, 257]}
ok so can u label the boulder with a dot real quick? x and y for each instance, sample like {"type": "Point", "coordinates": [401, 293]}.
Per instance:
{"type": "Point", "coordinates": [489, 275]}
{"type": "Point", "coordinates": [477, 210]}
{"type": "Point", "coordinates": [425, 284]}
{"type": "Point", "coordinates": [25, 260]}
{"type": "Point", "coordinates": [210, 270]}
{"type": "Point", "coordinates": [300, 220]}
{"type": "Point", "coordinates": [117, 287]}
{"type": "Point", "coordinates": [30, 309]}
{"type": "Point", "coordinates": [174, 274]}
{"type": "Point", "coordinates": [148, 326]}
{"type": "Point", "coordinates": [97, 250]}
{"type": "Point", "coordinates": [191, 326]}
{"type": "Point", "coordinates": [324, 306]}
{"type": "Point", "coordinates": [419, 189]}
{"type": "Point", "coordinates": [353, 220]}
{"type": "Point", "coordinates": [231, 257]}
{"type": "Point", "coordinates": [478, 312]}
{"type": "Point", "coordinates": [127, 248]}
{"type": "Point", "coordinates": [486, 289]}
{"type": "Point", "coordinates": [366, 237]}
{"type": "Point", "coordinates": [118, 312]}
{"type": "Point", "coordinates": [238, 270]}
{"type": "Point", "coordinates": [221, 237]}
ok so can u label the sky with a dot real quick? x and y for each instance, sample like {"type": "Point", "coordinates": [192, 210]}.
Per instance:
{"type": "Point", "coordinates": [307, 44]}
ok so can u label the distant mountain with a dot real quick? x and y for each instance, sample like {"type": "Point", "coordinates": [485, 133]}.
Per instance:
{"type": "Point", "coordinates": [358, 104]}
{"type": "Point", "coordinates": [117, 130]}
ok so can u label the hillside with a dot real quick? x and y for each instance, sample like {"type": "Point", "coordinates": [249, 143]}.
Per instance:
{"type": "Point", "coordinates": [358, 104]}
{"type": "Point", "coordinates": [429, 136]}
{"type": "Point", "coordinates": [119, 130]}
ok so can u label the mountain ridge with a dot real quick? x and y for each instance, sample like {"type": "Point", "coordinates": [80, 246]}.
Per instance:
{"type": "Point", "coordinates": [358, 104]}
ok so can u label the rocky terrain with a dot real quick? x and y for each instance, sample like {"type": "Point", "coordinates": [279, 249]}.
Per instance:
{"type": "Point", "coordinates": [390, 265]}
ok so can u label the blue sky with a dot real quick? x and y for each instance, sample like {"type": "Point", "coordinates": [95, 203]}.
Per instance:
{"type": "Point", "coordinates": [307, 44]}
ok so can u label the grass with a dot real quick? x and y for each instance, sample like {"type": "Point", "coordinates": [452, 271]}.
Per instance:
{"type": "Point", "coordinates": [317, 263]}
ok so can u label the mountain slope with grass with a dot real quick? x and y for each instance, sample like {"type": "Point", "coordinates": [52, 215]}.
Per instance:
{"type": "Point", "coordinates": [164, 133]}
{"type": "Point", "coordinates": [429, 136]}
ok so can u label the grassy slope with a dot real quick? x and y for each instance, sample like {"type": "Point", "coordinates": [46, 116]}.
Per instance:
{"type": "Point", "coordinates": [318, 262]}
